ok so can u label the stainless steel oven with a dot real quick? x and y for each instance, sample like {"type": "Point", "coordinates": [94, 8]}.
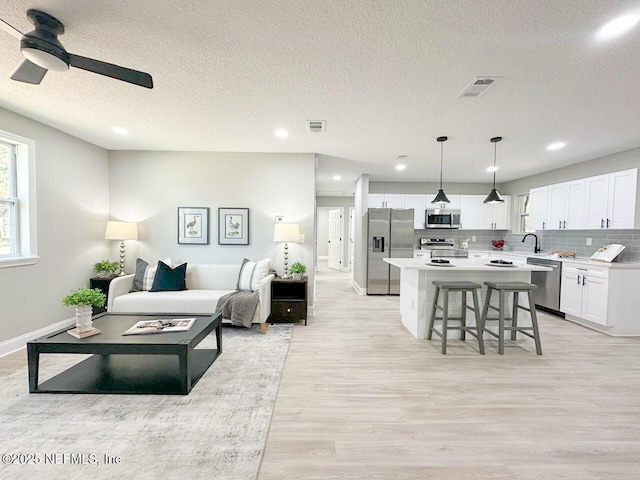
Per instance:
{"type": "Point", "coordinates": [441, 218]}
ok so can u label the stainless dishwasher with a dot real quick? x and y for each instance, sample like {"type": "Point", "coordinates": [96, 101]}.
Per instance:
{"type": "Point", "coordinates": [547, 295]}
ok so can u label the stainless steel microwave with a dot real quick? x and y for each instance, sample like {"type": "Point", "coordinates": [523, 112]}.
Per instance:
{"type": "Point", "coordinates": [440, 218]}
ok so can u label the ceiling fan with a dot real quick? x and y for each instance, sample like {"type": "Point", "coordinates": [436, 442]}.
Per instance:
{"type": "Point", "coordinates": [43, 51]}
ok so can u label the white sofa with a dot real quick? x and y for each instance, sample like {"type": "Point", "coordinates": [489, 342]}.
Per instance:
{"type": "Point", "coordinates": [205, 283]}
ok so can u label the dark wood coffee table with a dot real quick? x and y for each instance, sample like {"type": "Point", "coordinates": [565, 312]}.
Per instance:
{"type": "Point", "coordinates": [162, 363]}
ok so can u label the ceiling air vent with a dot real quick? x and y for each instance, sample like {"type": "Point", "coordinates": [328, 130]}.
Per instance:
{"type": "Point", "coordinates": [315, 126]}
{"type": "Point", "coordinates": [478, 86]}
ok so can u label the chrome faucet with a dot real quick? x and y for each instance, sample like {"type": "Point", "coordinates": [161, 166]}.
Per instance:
{"type": "Point", "coordinates": [536, 248]}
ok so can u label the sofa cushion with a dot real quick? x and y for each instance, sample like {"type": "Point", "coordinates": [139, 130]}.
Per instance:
{"type": "Point", "coordinates": [252, 273]}
{"type": "Point", "coordinates": [144, 275]}
{"type": "Point", "coordinates": [185, 301]}
{"type": "Point", "coordinates": [169, 279]}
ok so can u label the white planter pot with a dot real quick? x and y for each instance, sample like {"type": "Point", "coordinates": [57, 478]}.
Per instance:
{"type": "Point", "coordinates": [84, 322]}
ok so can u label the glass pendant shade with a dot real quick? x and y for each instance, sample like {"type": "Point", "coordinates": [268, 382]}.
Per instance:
{"type": "Point", "coordinates": [441, 197]}
{"type": "Point", "coordinates": [494, 196]}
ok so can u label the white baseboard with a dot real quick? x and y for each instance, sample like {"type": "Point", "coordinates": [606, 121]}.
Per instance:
{"type": "Point", "coordinates": [359, 290]}
{"type": "Point", "coordinates": [14, 344]}
{"type": "Point", "coordinates": [345, 269]}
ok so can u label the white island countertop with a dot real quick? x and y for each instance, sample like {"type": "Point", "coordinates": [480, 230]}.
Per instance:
{"type": "Point", "coordinates": [462, 265]}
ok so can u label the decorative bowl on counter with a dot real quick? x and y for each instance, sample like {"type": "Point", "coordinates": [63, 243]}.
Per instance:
{"type": "Point", "coordinates": [497, 244]}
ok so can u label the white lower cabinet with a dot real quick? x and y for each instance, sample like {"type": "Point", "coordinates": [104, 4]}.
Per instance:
{"type": "Point", "coordinates": [585, 293]}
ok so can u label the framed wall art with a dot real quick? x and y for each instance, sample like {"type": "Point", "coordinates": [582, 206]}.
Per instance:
{"type": "Point", "coordinates": [233, 226]}
{"type": "Point", "coordinates": [193, 225]}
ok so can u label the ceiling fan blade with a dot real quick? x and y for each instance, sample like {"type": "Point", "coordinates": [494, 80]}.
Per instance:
{"type": "Point", "coordinates": [10, 29]}
{"type": "Point", "coordinates": [110, 70]}
{"type": "Point", "coordinates": [29, 73]}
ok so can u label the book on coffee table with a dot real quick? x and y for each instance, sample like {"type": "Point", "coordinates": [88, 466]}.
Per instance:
{"type": "Point", "coordinates": [161, 325]}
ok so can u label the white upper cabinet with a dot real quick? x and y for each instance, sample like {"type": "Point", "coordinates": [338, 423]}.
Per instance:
{"type": "Point", "coordinates": [539, 212]}
{"type": "Point", "coordinates": [610, 200]}
{"type": "Point", "coordinates": [477, 215]}
{"type": "Point", "coordinates": [386, 200]}
{"type": "Point", "coordinates": [566, 205]}
{"type": "Point", "coordinates": [600, 202]}
{"type": "Point", "coordinates": [621, 211]}
{"type": "Point", "coordinates": [418, 204]}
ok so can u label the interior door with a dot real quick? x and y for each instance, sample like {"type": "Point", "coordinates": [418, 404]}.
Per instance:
{"type": "Point", "coordinates": [335, 238]}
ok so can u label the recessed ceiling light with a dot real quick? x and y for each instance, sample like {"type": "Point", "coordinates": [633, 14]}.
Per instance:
{"type": "Point", "coordinates": [280, 133]}
{"type": "Point", "coordinates": [492, 169]}
{"type": "Point", "coordinates": [556, 146]}
{"type": "Point", "coordinates": [401, 167]}
{"type": "Point", "coordinates": [120, 131]}
{"type": "Point", "coordinates": [337, 177]}
{"type": "Point", "coordinates": [617, 27]}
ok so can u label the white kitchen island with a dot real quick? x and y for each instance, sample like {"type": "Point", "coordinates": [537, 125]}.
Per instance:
{"type": "Point", "coordinates": [417, 290]}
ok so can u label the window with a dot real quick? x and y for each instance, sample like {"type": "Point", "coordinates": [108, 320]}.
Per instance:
{"type": "Point", "coordinates": [17, 201]}
{"type": "Point", "coordinates": [523, 211]}
{"type": "Point", "coordinates": [8, 200]}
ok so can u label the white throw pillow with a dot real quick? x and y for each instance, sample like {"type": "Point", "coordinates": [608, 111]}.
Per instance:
{"type": "Point", "coordinates": [150, 274]}
{"type": "Point", "coordinates": [252, 273]}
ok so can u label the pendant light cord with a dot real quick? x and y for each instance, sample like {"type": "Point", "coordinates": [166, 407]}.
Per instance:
{"type": "Point", "coordinates": [441, 154]}
{"type": "Point", "coordinates": [495, 150]}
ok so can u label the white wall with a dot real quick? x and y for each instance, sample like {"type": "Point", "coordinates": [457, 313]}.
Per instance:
{"type": "Point", "coordinates": [323, 232]}
{"type": "Point", "coordinates": [148, 187]}
{"type": "Point", "coordinates": [361, 202]}
{"type": "Point", "coordinates": [72, 197]}
{"type": "Point", "coordinates": [431, 188]}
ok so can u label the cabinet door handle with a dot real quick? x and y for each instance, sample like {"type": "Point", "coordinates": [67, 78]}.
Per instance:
{"type": "Point", "coordinates": [564, 224]}
{"type": "Point", "coordinates": [608, 223]}
{"type": "Point", "coordinates": [544, 224]}
{"type": "Point", "coordinates": [602, 223]}
{"type": "Point", "coordinates": [578, 279]}
{"type": "Point", "coordinates": [583, 280]}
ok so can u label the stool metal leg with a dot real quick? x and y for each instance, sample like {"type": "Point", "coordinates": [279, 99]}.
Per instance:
{"type": "Point", "coordinates": [445, 318]}
{"type": "Point", "coordinates": [501, 322]}
{"type": "Point", "coordinates": [479, 326]}
{"type": "Point", "coordinates": [534, 324]}
{"type": "Point", "coordinates": [514, 316]}
{"type": "Point", "coordinates": [463, 316]}
{"type": "Point", "coordinates": [433, 313]}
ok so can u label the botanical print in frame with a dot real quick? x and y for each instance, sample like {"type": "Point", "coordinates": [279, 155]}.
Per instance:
{"type": "Point", "coordinates": [233, 226]}
{"type": "Point", "coordinates": [193, 225]}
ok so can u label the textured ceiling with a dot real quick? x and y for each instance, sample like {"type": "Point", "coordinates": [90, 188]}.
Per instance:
{"type": "Point", "coordinates": [383, 74]}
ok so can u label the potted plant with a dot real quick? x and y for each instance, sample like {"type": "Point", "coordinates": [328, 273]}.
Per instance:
{"type": "Point", "coordinates": [297, 270]}
{"type": "Point", "coordinates": [84, 299]}
{"type": "Point", "coordinates": [105, 268]}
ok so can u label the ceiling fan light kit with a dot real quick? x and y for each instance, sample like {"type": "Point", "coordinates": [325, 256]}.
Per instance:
{"type": "Point", "coordinates": [441, 197]}
{"type": "Point", "coordinates": [43, 52]}
{"type": "Point", "coordinates": [494, 196]}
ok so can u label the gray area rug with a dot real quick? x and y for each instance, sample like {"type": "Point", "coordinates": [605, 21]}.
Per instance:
{"type": "Point", "coordinates": [218, 431]}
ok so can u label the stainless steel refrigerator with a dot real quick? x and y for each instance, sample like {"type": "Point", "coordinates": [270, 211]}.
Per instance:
{"type": "Point", "coordinates": [389, 235]}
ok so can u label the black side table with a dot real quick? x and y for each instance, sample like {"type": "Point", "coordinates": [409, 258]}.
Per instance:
{"type": "Point", "coordinates": [289, 299]}
{"type": "Point", "coordinates": [101, 284]}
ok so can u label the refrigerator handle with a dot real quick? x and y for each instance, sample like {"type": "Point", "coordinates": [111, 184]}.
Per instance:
{"type": "Point", "coordinates": [378, 244]}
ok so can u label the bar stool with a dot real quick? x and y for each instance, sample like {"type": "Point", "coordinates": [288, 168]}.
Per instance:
{"type": "Point", "coordinates": [503, 289]}
{"type": "Point", "coordinates": [463, 287]}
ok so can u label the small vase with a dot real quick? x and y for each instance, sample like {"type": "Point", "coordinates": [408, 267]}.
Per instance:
{"type": "Point", "coordinates": [84, 322]}
{"type": "Point", "coordinates": [297, 276]}
{"type": "Point", "coordinates": [104, 274]}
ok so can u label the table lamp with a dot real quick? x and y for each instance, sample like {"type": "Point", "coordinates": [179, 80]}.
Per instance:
{"type": "Point", "coordinates": [286, 232]}
{"type": "Point", "coordinates": [121, 231]}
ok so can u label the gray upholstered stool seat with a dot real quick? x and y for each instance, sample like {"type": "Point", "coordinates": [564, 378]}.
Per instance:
{"type": "Point", "coordinates": [504, 288]}
{"type": "Point", "coordinates": [464, 288]}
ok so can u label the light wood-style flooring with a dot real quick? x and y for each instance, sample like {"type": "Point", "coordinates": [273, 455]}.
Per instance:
{"type": "Point", "coordinates": [360, 398]}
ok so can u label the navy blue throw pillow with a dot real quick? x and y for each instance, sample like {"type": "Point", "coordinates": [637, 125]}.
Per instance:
{"type": "Point", "coordinates": [169, 279]}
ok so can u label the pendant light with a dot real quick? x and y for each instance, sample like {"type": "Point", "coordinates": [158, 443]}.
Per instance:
{"type": "Point", "coordinates": [441, 197]}
{"type": "Point", "coordinates": [494, 196]}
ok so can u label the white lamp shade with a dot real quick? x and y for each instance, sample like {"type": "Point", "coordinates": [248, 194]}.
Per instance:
{"type": "Point", "coordinates": [121, 231]}
{"type": "Point", "coordinates": [286, 232]}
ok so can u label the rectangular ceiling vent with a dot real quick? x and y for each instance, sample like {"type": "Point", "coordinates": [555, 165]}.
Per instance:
{"type": "Point", "coordinates": [478, 87]}
{"type": "Point", "coordinates": [315, 126]}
